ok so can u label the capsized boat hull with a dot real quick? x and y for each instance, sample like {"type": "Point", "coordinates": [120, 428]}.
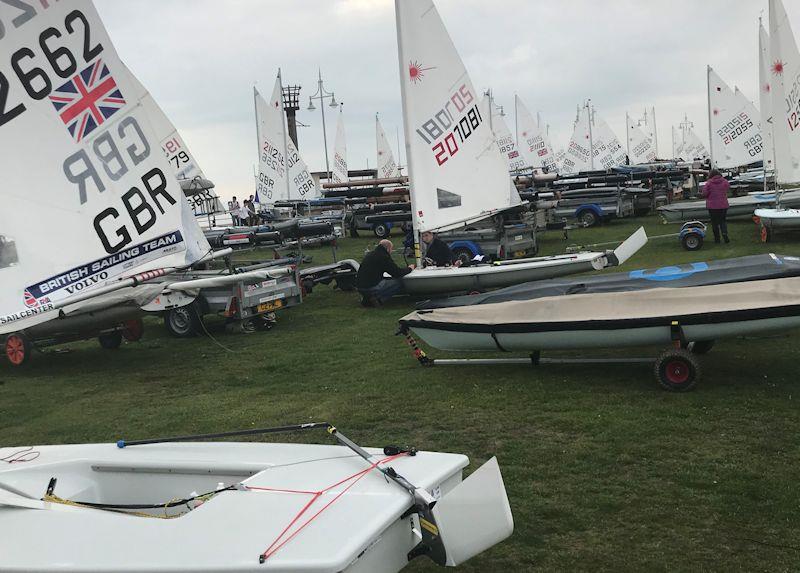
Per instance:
{"type": "Point", "coordinates": [740, 207]}
{"type": "Point", "coordinates": [608, 320]}
{"type": "Point", "coordinates": [359, 523]}
{"type": "Point", "coordinates": [720, 271]}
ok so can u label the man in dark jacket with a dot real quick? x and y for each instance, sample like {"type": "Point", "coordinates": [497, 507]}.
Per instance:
{"type": "Point", "coordinates": [370, 282]}
{"type": "Point", "coordinates": [437, 251]}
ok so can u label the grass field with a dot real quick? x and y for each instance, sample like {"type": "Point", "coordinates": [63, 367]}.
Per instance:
{"type": "Point", "coordinates": [605, 471]}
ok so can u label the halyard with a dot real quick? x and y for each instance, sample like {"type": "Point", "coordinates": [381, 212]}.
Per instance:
{"type": "Point", "coordinates": [604, 469]}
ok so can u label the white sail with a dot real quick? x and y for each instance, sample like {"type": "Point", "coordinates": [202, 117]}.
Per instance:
{"type": "Point", "coordinates": [577, 157]}
{"type": "Point", "coordinates": [613, 154]}
{"type": "Point", "coordinates": [640, 146]}
{"type": "Point", "coordinates": [785, 72]}
{"type": "Point", "coordinates": [533, 142]}
{"type": "Point", "coordinates": [765, 99]}
{"type": "Point", "coordinates": [87, 195]}
{"type": "Point", "coordinates": [693, 147]}
{"type": "Point", "coordinates": [339, 171]}
{"type": "Point", "coordinates": [282, 173]}
{"type": "Point", "coordinates": [456, 170]}
{"type": "Point", "coordinates": [183, 164]}
{"type": "Point", "coordinates": [387, 167]}
{"type": "Point", "coordinates": [735, 131]}
{"type": "Point", "coordinates": [516, 160]}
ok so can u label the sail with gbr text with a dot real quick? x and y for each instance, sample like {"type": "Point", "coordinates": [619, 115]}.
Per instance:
{"type": "Point", "coordinates": [84, 158]}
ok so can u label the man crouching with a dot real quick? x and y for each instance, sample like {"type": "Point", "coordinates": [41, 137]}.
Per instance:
{"type": "Point", "coordinates": [370, 282]}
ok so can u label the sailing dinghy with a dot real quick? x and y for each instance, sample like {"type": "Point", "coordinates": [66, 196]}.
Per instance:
{"type": "Point", "coordinates": [661, 316]}
{"type": "Point", "coordinates": [784, 78]}
{"type": "Point", "coordinates": [102, 176]}
{"type": "Point", "coordinates": [457, 173]}
{"type": "Point", "coordinates": [184, 505]}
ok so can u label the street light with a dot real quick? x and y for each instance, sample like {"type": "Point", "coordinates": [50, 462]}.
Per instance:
{"type": "Point", "coordinates": [322, 95]}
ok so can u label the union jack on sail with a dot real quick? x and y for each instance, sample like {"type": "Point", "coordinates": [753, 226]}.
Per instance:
{"type": "Point", "coordinates": [87, 100]}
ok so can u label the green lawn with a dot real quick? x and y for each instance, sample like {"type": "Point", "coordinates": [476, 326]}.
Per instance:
{"type": "Point", "coordinates": [605, 471]}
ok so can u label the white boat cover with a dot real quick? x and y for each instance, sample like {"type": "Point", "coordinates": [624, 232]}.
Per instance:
{"type": "Point", "coordinates": [752, 300]}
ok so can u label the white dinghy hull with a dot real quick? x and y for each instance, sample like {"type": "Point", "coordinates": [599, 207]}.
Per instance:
{"type": "Point", "coordinates": [740, 207]}
{"type": "Point", "coordinates": [285, 508]}
{"type": "Point", "coordinates": [608, 320]}
{"type": "Point", "coordinates": [779, 219]}
{"type": "Point", "coordinates": [440, 280]}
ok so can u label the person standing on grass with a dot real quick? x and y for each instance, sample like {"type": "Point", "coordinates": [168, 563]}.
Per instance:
{"type": "Point", "coordinates": [716, 193]}
{"type": "Point", "coordinates": [233, 209]}
{"type": "Point", "coordinates": [374, 288]}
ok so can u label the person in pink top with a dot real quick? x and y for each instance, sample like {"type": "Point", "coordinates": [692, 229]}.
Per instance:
{"type": "Point", "coordinates": [716, 193]}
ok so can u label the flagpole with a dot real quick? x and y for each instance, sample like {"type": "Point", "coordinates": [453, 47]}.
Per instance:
{"type": "Point", "coordinates": [628, 134]}
{"type": "Point", "coordinates": [655, 130]}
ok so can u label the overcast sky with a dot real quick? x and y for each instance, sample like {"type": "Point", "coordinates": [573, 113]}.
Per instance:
{"type": "Point", "coordinates": [200, 59]}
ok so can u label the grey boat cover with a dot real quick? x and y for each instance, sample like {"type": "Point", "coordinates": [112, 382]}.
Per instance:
{"type": "Point", "coordinates": [734, 302]}
{"type": "Point", "coordinates": [751, 268]}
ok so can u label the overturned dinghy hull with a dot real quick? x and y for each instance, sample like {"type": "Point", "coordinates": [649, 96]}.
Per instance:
{"type": "Point", "coordinates": [721, 271]}
{"type": "Point", "coordinates": [614, 319]}
{"type": "Point", "coordinates": [443, 280]}
{"type": "Point", "coordinates": [740, 207]}
{"type": "Point", "coordinates": [261, 507]}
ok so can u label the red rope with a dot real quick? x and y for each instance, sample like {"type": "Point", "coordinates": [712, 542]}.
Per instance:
{"type": "Point", "coordinates": [282, 538]}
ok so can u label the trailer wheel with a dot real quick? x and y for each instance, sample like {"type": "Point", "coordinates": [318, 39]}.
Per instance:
{"type": "Point", "coordinates": [182, 322]}
{"type": "Point", "coordinates": [692, 241]}
{"type": "Point", "coordinates": [133, 330]}
{"type": "Point", "coordinates": [701, 346]}
{"type": "Point", "coordinates": [677, 370]}
{"type": "Point", "coordinates": [346, 284]}
{"type": "Point", "coordinates": [110, 340]}
{"type": "Point", "coordinates": [17, 349]}
{"type": "Point", "coordinates": [588, 218]}
{"type": "Point", "coordinates": [462, 254]}
{"type": "Point", "coordinates": [382, 230]}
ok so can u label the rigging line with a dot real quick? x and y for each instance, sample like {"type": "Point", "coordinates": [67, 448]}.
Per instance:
{"type": "Point", "coordinates": [24, 455]}
{"type": "Point", "coordinates": [353, 479]}
{"type": "Point", "coordinates": [214, 340]}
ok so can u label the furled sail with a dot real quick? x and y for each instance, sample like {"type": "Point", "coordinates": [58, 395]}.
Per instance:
{"type": "Point", "coordinates": [339, 170]}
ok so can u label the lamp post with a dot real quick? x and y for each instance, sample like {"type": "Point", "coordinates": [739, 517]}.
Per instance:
{"type": "Point", "coordinates": [322, 95]}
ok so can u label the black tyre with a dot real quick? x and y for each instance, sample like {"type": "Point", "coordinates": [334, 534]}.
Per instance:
{"type": "Point", "coordinates": [17, 349]}
{"type": "Point", "coordinates": [677, 370]}
{"type": "Point", "coordinates": [308, 286]}
{"type": "Point", "coordinates": [701, 346]}
{"type": "Point", "coordinates": [382, 230]}
{"type": "Point", "coordinates": [346, 284]}
{"type": "Point", "coordinates": [462, 254]}
{"type": "Point", "coordinates": [182, 322]}
{"type": "Point", "coordinates": [110, 340]}
{"type": "Point", "coordinates": [588, 218]}
{"type": "Point", "coordinates": [692, 241]}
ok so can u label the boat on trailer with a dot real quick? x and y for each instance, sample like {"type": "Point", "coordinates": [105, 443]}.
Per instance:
{"type": "Point", "coordinates": [740, 207]}
{"type": "Point", "coordinates": [662, 316]}
{"type": "Point", "coordinates": [184, 505]}
{"type": "Point", "coordinates": [720, 271]}
{"type": "Point", "coordinates": [479, 278]}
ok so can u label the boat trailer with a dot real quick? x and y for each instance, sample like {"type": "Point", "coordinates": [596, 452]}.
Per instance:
{"type": "Point", "coordinates": [676, 368]}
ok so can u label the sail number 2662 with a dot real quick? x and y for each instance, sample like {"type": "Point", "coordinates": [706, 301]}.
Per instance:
{"type": "Point", "coordinates": [35, 80]}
